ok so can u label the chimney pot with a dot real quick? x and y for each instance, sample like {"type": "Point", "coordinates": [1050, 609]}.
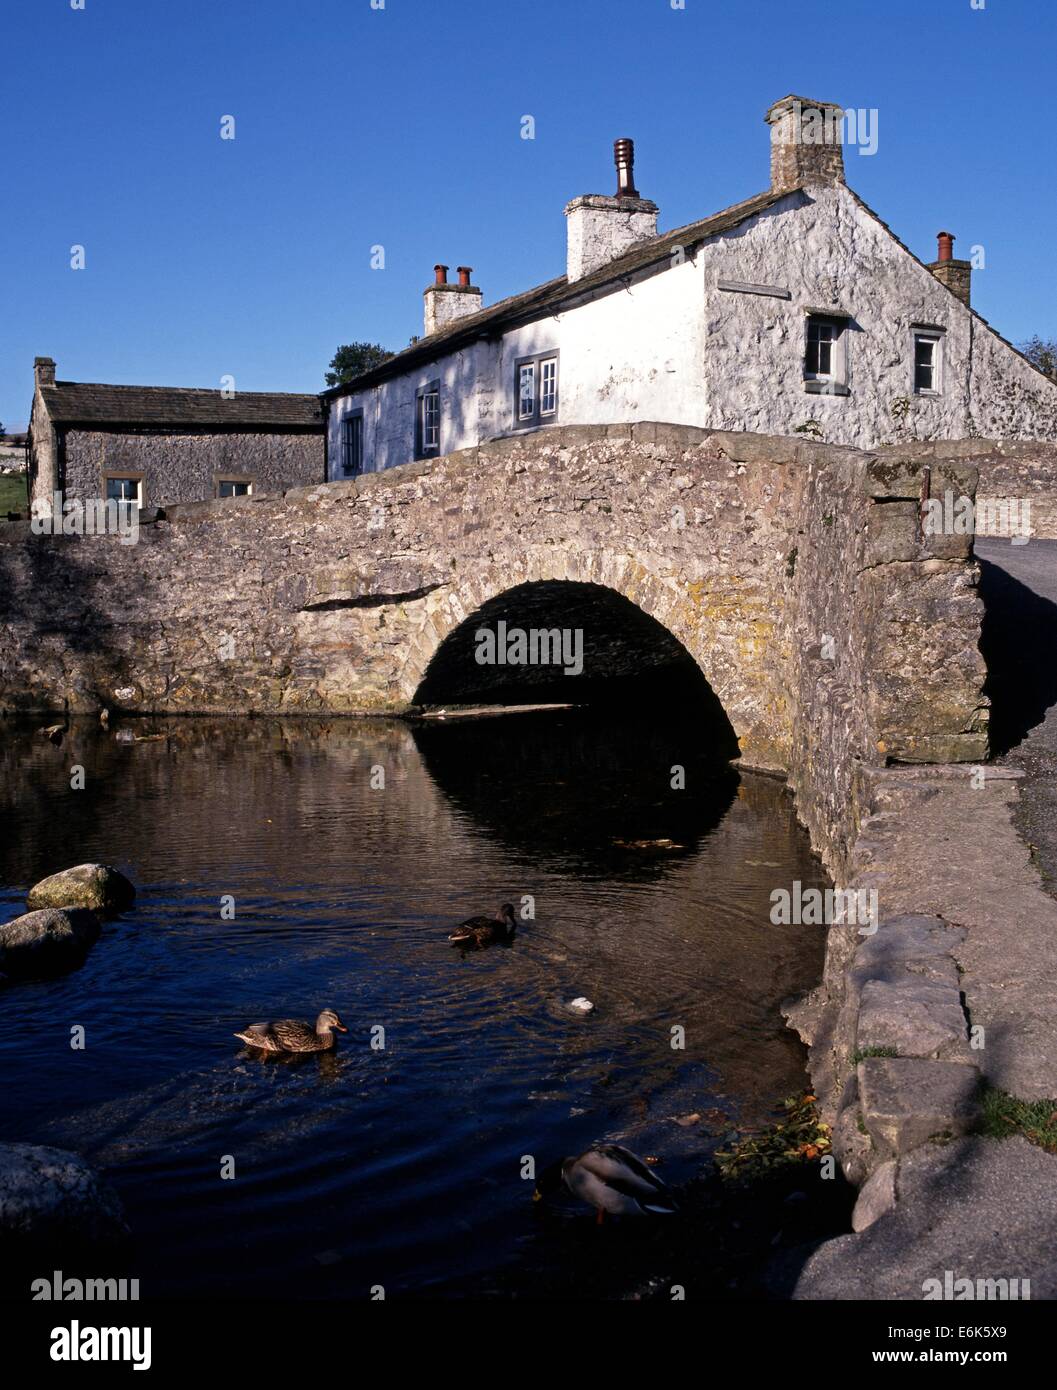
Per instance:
{"type": "Point", "coordinates": [624, 159]}
{"type": "Point", "coordinates": [444, 303]}
{"type": "Point", "coordinates": [956, 275]}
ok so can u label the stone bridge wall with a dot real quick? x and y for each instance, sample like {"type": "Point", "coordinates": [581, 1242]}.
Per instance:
{"type": "Point", "coordinates": [1011, 471]}
{"type": "Point", "coordinates": [793, 572]}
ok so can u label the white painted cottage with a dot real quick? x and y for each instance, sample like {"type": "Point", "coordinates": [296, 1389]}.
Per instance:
{"type": "Point", "coordinates": [796, 310]}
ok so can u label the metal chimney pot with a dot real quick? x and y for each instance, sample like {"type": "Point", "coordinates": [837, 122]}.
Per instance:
{"type": "Point", "coordinates": [624, 158]}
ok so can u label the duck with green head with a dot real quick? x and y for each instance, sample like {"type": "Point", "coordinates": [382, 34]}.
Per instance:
{"type": "Point", "coordinates": [611, 1179]}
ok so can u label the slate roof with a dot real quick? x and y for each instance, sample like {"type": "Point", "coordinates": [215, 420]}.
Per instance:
{"type": "Point", "coordinates": [548, 297]}
{"type": "Point", "coordinates": [180, 407]}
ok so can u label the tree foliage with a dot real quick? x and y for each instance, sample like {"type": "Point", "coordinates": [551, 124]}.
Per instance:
{"type": "Point", "coordinates": [353, 359]}
{"type": "Point", "coordinates": [1041, 353]}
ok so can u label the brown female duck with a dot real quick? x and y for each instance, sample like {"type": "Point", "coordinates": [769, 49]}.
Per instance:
{"type": "Point", "coordinates": [291, 1035]}
{"type": "Point", "coordinates": [482, 931]}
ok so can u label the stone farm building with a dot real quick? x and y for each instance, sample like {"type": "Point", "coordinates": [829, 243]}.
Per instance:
{"type": "Point", "coordinates": [796, 310]}
{"type": "Point", "coordinates": [164, 444]}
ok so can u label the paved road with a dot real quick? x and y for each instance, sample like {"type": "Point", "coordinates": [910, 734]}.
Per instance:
{"type": "Point", "coordinates": [977, 1208]}
{"type": "Point", "coordinates": [1034, 564]}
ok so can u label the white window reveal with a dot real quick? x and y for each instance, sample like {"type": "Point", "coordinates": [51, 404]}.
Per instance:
{"type": "Point", "coordinates": [820, 336]}
{"type": "Point", "coordinates": [526, 391]}
{"type": "Point", "coordinates": [124, 490]}
{"type": "Point", "coordinates": [427, 424]}
{"type": "Point", "coordinates": [928, 362]}
{"type": "Point", "coordinates": [352, 444]}
{"type": "Point", "coordinates": [826, 354]}
{"type": "Point", "coordinates": [548, 386]}
{"type": "Point", "coordinates": [234, 487]}
{"type": "Point", "coordinates": [535, 390]}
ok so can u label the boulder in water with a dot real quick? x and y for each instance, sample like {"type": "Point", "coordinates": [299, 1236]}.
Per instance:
{"type": "Point", "coordinates": [96, 886]}
{"type": "Point", "coordinates": [52, 1195]}
{"type": "Point", "coordinates": [48, 942]}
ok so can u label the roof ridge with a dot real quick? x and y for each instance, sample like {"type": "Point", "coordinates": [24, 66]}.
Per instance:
{"type": "Point", "coordinates": [188, 390]}
{"type": "Point", "coordinates": [552, 292]}
{"type": "Point", "coordinates": [975, 313]}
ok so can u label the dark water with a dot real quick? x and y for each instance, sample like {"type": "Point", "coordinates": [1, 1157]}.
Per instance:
{"type": "Point", "coordinates": [399, 1166]}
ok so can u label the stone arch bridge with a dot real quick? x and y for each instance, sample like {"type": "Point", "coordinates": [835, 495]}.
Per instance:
{"type": "Point", "coordinates": [790, 577]}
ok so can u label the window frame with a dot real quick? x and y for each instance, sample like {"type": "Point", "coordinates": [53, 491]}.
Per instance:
{"type": "Point", "coordinates": [525, 419]}
{"type": "Point", "coordinates": [121, 475]}
{"type": "Point", "coordinates": [920, 332]}
{"type": "Point", "coordinates": [537, 417]}
{"type": "Point", "coordinates": [835, 382]}
{"type": "Point", "coordinates": [422, 449]}
{"type": "Point", "coordinates": [354, 416]}
{"type": "Point", "coordinates": [232, 480]}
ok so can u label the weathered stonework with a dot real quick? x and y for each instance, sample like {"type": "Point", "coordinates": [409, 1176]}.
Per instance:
{"type": "Point", "coordinates": [707, 325]}
{"type": "Point", "coordinates": [830, 632]}
{"type": "Point", "coordinates": [1011, 472]}
{"type": "Point", "coordinates": [186, 466]}
{"type": "Point", "coordinates": [173, 443]}
{"type": "Point", "coordinates": [600, 229]}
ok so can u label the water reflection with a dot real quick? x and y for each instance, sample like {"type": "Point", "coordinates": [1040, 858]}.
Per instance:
{"type": "Point", "coordinates": [396, 1159]}
{"type": "Point", "coordinates": [581, 789]}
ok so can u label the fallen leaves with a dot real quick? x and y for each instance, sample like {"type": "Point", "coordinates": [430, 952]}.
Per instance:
{"type": "Point", "coordinates": [800, 1137]}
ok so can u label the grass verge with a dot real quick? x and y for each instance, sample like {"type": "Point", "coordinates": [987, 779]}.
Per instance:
{"type": "Point", "coordinates": [1004, 1115]}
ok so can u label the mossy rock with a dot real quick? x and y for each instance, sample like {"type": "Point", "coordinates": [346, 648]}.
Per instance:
{"type": "Point", "coordinates": [94, 886]}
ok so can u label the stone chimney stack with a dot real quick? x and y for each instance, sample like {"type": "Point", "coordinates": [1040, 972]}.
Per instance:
{"type": "Point", "coordinates": [956, 275]}
{"type": "Point", "coordinates": [807, 143]}
{"type": "Point", "coordinates": [600, 229]}
{"type": "Point", "coordinates": [44, 371]}
{"type": "Point", "coordinates": [445, 303]}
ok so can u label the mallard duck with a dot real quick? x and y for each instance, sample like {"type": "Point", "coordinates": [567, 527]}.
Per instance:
{"type": "Point", "coordinates": [482, 931]}
{"type": "Point", "coordinates": [292, 1035]}
{"type": "Point", "coordinates": [609, 1178]}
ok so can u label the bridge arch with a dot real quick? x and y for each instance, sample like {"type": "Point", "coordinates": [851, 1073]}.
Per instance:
{"type": "Point", "coordinates": [618, 622]}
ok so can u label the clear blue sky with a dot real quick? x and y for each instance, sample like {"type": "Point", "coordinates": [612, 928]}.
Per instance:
{"type": "Point", "coordinates": [401, 127]}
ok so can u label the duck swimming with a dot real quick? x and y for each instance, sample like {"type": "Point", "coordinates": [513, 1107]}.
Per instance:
{"type": "Point", "coordinates": [291, 1035]}
{"type": "Point", "coordinates": [482, 931]}
{"type": "Point", "coordinates": [609, 1178]}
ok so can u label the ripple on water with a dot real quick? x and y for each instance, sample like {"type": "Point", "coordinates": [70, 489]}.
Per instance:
{"type": "Point", "coordinates": [401, 1164]}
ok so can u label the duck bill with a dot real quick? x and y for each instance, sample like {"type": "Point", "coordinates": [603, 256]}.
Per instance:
{"type": "Point", "coordinates": [341, 1027]}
